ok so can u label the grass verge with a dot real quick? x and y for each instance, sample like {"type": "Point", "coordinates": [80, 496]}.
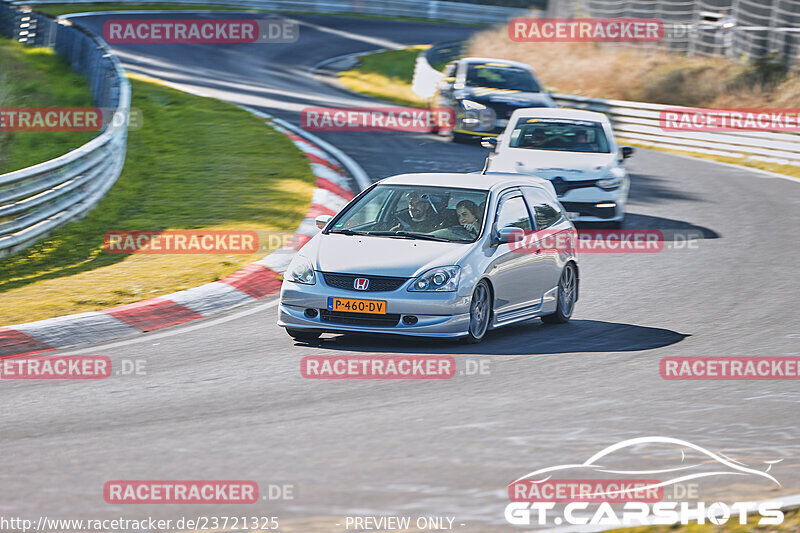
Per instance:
{"type": "Point", "coordinates": [386, 75]}
{"type": "Point", "coordinates": [385, 81]}
{"type": "Point", "coordinates": [197, 163]}
{"type": "Point", "coordinates": [37, 77]}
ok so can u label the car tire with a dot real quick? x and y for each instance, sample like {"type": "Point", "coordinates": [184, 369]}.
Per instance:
{"type": "Point", "coordinates": [303, 335]}
{"type": "Point", "coordinates": [480, 313]}
{"type": "Point", "coordinates": [567, 292]}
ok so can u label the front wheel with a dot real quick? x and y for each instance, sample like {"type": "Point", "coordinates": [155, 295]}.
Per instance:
{"type": "Point", "coordinates": [303, 335]}
{"type": "Point", "coordinates": [567, 291]}
{"type": "Point", "coordinates": [480, 313]}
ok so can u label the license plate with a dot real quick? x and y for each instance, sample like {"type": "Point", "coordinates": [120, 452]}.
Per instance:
{"type": "Point", "coordinates": [572, 215]}
{"type": "Point", "coordinates": [349, 305]}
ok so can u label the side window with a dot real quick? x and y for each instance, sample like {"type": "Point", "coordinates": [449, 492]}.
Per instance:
{"type": "Point", "coordinates": [545, 212]}
{"type": "Point", "coordinates": [546, 215]}
{"type": "Point", "coordinates": [513, 213]}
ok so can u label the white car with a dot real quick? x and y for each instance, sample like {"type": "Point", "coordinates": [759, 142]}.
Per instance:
{"type": "Point", "coordinates": [576, 151]}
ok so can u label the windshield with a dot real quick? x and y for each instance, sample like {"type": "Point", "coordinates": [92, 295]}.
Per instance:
{"type": "Point", "coordinates": [416, 212]}
{"type": "Point", "coordinates": [559, 134]}
{"type": "Point", "coordinates": [497, 76]}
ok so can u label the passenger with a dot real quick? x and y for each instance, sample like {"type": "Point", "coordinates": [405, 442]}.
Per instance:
{"type": "Point", "coordinates": [422, 216]}
{"type": "Point", "coordinates": [469, 216]}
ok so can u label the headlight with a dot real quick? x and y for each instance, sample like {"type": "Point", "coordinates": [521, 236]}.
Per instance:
{"type": "Point", "coordinates": [301, 271]}
{"type": "Point", "coordinates": [437, 279]}
{"type": "Point", "coordinates": [613, 180]}
{"type": "Point", "coordinates": [470, 105]}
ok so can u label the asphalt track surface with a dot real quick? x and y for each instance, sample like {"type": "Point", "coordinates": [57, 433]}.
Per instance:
{"type": "Point", "coordinates": [223, 398]}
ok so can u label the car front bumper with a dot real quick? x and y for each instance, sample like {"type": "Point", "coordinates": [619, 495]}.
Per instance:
{"type": "Point", "coordinates": [443, 314]}
{"type": "Point", "coordinates": [594, 204]}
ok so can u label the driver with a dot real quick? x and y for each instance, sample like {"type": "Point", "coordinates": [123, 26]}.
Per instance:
{"type": "Point", "coordinates": [421, 217]}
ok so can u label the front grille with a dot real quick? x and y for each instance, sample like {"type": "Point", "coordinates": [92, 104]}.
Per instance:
{"type": "Point", "coordinates": [562, 186]}
{"type": "Point", "coordinates": [376, 283]}
{"type": "Point", "coordinates": [359, 319]}
{"type": "Point", "coordinates": [588, 209]}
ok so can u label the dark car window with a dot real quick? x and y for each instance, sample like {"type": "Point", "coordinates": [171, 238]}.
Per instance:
{"type": "Point", "coordinates": [501, 77]}
{"type": "Point", "coordinates": [545, 212]}
{"type": "Point", "coordinates": [513, 213]}
{"type": "Point", "coordinates": [564, 135]}
{"type": "Point", "coordinates": [546, 215]}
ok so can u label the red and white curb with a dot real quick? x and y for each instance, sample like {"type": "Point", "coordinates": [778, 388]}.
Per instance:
{"type": "Point", "coordinates": [255, 281]}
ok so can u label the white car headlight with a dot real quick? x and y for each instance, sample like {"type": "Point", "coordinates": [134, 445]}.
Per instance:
{"type": "Point", "coordinates": [613, 180]}
{"type": "Point", "coordinates": [437, 279]}
{"type": "Point", "coordinates": [301, 271]}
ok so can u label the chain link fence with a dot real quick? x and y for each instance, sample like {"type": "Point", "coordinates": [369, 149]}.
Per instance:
{"type": "Point", "coordinates": [735, 28]}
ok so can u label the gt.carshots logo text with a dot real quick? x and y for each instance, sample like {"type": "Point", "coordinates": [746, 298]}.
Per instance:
{"type": "Point", "coordinates": [200, 31]}
{"type": "Point", "coordinates": [551, 496]}
{"type": "Point", "coordinates": [180, 492]}
{"type": "Point", "coordinates": [603, 30]}
{"type": "Point", "coordinates": [378, 367]}
{"type": "Point", "coordinates": [376, 119]}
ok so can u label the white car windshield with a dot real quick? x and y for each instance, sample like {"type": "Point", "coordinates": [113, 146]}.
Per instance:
{"type": "Point", "coordinates": [416, 212]}
{"type": "Point", "coordinates": [559, 135]}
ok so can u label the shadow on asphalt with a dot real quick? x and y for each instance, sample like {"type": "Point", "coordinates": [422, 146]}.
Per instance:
{"type": "Point", "coordinates": [650, 189]}
{"type": "Point", "coordinates": [527, 338]}
{"type": "Point", "coordinates": [672, 229]}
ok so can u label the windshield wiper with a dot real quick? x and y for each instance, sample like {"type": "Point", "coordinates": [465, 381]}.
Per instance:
{"type": "Point", "coordinates": [409, 235]}
{"type": "Point", "coordinates": [348, 232]}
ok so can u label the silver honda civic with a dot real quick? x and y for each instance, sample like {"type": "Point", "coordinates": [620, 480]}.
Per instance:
{"type": "Point", "coordinates": [435, 255]}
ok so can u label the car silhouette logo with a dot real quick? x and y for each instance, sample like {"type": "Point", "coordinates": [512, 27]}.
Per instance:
{"type": "Point", "coordinates": [360, 284]}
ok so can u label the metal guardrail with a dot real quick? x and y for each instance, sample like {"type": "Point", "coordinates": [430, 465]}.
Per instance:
{"type": "Point", "coordinates": [640, 123]}
{"type": "Point", "coordinates": [36, 200]}
{"type": "Point", "coordinates": [425, 9]}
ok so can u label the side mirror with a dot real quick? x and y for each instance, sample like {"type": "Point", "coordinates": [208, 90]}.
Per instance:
{"type": "Point", "coordinates": [627, 151]}
{"type": "Point", "coordinates": [489, 142]}
{"type": "Point", "coordinates": [322, 221]}
{"type": "Point", "coordinates": [510, 234]}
